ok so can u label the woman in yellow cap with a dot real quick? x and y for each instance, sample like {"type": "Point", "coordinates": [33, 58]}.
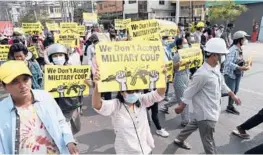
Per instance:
{"type": "Point", "coordinates": [30, 120]}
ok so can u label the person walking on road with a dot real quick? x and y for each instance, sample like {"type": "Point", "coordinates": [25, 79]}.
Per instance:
{"type": "Point", "coordinates": [129, 116]}
{"type": "Point", "coordinates": [204, 92]}
{"type": "Point", "coordinates": [234, 67]}
{"type": "Point", "coordinates": [30, 120]}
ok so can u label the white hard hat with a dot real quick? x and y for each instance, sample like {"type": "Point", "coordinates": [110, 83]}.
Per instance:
{"type": "Point", "coordinates": [240, 34]}
{"type": "Point", "coordinates": [56, 48]}
{"type": "Point", "coordinates": [216, 45]}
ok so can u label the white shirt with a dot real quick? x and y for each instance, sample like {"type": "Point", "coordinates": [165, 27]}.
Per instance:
{"type": "Point", "coordinates": [87, 60]}
{"type": "Point", "coordinates": [204, 92]}
{"type": "Point", "coordinates": [126, 141]}
{"type": "Point", "coordinates": [74, 59]}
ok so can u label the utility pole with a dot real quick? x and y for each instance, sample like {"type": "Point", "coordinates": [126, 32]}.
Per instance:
{"type": "Point", "coordinates": [177, 11]}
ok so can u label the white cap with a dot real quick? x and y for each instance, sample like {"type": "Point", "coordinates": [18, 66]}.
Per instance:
{"type": "Point", "coordinates": [240, 34]}
{"type": "Point", "coordinates": [216, 45]}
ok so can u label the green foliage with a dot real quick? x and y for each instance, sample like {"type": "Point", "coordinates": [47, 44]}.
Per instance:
{"type": "Point", "coordinates": [226, 11]}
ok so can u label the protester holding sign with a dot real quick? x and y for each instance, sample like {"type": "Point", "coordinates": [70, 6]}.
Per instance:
{"type": "Point", "coordinates": [70, 106]}
{"type": "Point", "coordinates": [129, 117]}
{"type": "Point", "coordinates": [19, 52]}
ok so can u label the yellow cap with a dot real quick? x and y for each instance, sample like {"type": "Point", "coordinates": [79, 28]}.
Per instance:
{"type": "Point", "coordinates": [200, 24]}
{"type": "Point", "coordinates": [12, 69]}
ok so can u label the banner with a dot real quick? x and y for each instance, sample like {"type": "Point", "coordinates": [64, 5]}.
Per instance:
{"type": "Point", "coordinates": [141, 30]}
{"type": "Point", "coordinates": [32, 28]}
{"type": "Point", "coordinates": [52, 26]}
{"type": "Point", "coordinates": [66, 81]}
{"type": "Point", "coordinates": [130, 65]}
{"type": "Point", "coordinates": [170, 71]}
{"type": "Point", "coordinates": [168, 28]}
{"type": "Point", "coordinates": [4, 49]}
{"type": "Point", "coordinates": [193, 55]}
{"type": "Point", "coordinates": [90, 18]}
{"type": "Point", "coordinates": [6, 28]}
{"type": "Point", "coordinates": [68, 28]}
{"type": "Point", "coordinates": [166, 31]}
{"type": "Point", "coordinates": [121, 24]}
{"type": "Point", "coordinates": [82, 30]}
{"type": "Point", "coordinates": [34, 51]}
{"type": "Point", "coordinates": [69, 40]}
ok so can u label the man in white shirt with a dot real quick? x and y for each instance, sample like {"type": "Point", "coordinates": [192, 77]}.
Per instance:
{"type": "Point", "coordinates": [204, 92]}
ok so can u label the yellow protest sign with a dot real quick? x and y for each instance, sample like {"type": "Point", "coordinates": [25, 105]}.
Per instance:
{"type": "Point", "coordinates": [69, 40]}
{"type": "Point", "coordinates": [81, 30]}
{"type": "Point", "coordinates": [4, 49]}
{"type": "Point", "coordinates": [121, 24]}
{"type": "Point", "coordinates": [193, 55]}
{"type": "Point", "coordinates": [196, 45]}
{"type": "Point", "coordinates": [170, 71]}
{"type": "Point", "coordinates": [168, 28]}
{"type": "Point", "coordinates": [90, 18]}
{"type": "Point", "coordinates": [249, 61]}
{"type": "Point", "coordinates": [66, 81]}
{"type": "Point", "coordinates": [34, 51]}
{"type": "Point", "coordinates": [32, 28]}
{"type": "Point", "coordinates": [130, 65]}
{"type": "Point", "coordinates": [52, 26]}
{"type": "Point", "coordinates": [69, 28]}
{"type": "Point", "coordinates": [142, 30]}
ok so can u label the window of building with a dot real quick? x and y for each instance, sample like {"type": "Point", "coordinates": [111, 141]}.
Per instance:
{"type": "Point", "coordinates": [100, 6]}
{"type": "Point", "coordinates": [51, 9]}
{"type": "Point", "coordinates": [17, 10]}
{"type": "Point", "coordinates": [123, 2]}
{"type": "Point", "coordinates": [57, 10]}
{"type": "Point", "coordinates": [132, 1]}
{"type": "Point", "coordinates": [161, 2]}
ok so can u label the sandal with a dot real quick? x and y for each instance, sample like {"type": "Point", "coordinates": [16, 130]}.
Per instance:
{"type": "Point", "coordinates": [181, 144]}
{"type": "Point", "coordinates": [243, 136]}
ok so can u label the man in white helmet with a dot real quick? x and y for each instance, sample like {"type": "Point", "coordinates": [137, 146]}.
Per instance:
{"type": "Point", "coordinates": [204, 92]}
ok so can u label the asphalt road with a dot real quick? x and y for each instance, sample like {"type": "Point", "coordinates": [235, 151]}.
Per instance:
{"type": "Point", "coordinates": [97, 136]}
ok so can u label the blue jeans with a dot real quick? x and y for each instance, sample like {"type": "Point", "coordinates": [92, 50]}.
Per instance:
{"type": "Point", "coordinates": [233, 84]}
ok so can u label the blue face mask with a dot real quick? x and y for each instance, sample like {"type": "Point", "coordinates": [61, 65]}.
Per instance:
{"type": "Point", "coordinates": [185, 46]}
{"type": "Point", "coordinates": [131, 98]}
{"type": "Point", "coordinates": [165, 42]}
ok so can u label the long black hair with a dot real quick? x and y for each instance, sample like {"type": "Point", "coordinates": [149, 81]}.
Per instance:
{"type": "Point", "coordinates": [237, 41]}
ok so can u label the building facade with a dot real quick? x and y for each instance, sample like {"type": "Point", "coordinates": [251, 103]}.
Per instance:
{"type": "Point", "coordinates": [149, 9]}
{"type": "Point", "coordinates": [108, 10]}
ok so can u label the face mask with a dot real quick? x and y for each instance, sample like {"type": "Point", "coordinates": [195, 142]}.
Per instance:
{"type": "Point", "coordinates": [182, 28]}
{"type": "Point", "coordinates": [245, 42]}
{"type": "Point", "coordinates": [165, 42]}
{"type": "Point", "coordinates": [185, 46]}
{"type": "Point", "coordinates": [59, 60]}
{"type": "Point", "coordinates": [131, 98]}
{"type": "Point", "coordinates": [221, 59]}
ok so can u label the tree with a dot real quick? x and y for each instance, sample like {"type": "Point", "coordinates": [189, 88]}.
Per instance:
{"type": "Point", "coordinates": [226, 11]}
